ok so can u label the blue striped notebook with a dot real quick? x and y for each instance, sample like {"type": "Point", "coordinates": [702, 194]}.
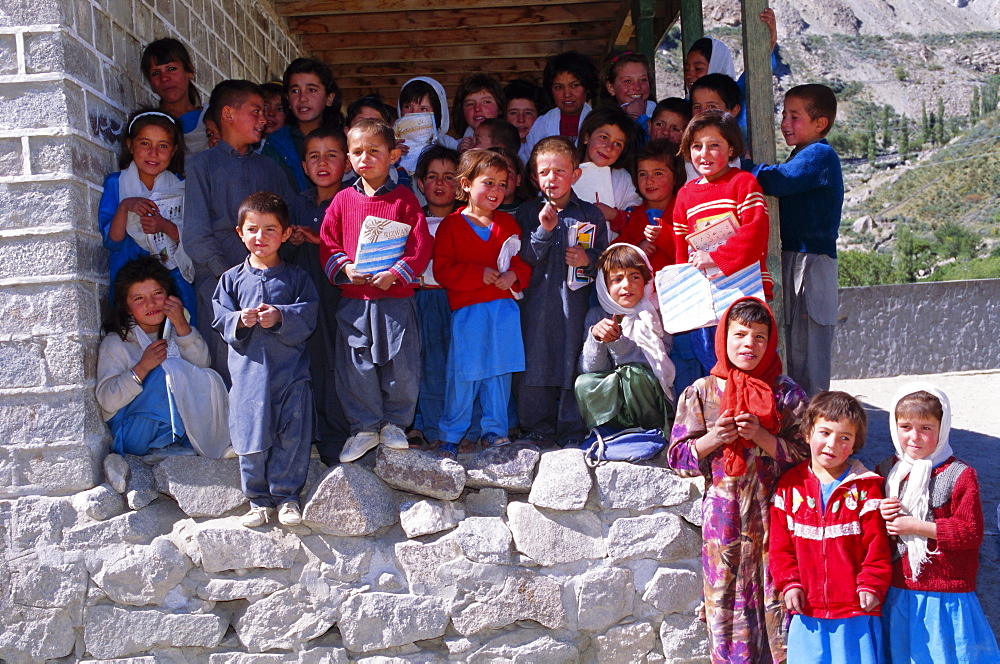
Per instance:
{"type": "Point", "coordinates": [380, 245]}
{"type": "Point", "coordinates": [690, 300]}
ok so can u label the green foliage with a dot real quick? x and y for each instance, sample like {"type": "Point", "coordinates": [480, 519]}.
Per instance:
{"type": "Point", "coordinates": [912, 255]}
{"type": "Point", "coordinates": [925, 124]}
{"type": "Point", "coordinates": [887, 127]}
{"type": "Point", "coordinates": [974, 108]}
{"type": "Point", "coordinates": [977, 268]}
{"type": "Point", "coordinates": [901, 74]}
{"type": "Point", "coordinates": [940, 133]}
{"type": "Point", "coordinates": [904, 137]}
{"type": "Point", "coordinates": [954, 241]}
{"type": "Point", "coordinates": [864, 268]}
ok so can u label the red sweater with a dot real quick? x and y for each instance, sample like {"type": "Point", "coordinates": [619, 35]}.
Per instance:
{"type": "Point", "coordinates": [634, 233]}
{"type": "Point", "coordinates": [832, 554]}
{"type": "Point", "coordinates": [342, 227]}
{"type": "Point", "coordinates": [460, 256]}
{"type": "Point", "coordinates": [738, 192]}
{"type": "Point", "coordinates": [954, 556]}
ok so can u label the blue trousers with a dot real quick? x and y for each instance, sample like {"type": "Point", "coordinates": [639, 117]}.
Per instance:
{"type": "Point", "coordinates": [494, 397]}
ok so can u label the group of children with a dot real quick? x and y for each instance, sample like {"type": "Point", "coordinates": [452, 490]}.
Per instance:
{"type": "Point", "coordinates": [323, 314]}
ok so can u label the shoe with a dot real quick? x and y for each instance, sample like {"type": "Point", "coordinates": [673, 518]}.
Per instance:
{"type": "Point", "coordinates": [493, 440]}
{"type": "Point", "coordinates": [392, 436]}
{"type": "Point", "coordinates": [448, 450]}
{"type": "Point", "coordinates": [536, 439]}
{"type": "Point", "coordinates": [357, 445]}
{"type": "Point", "coordinates": [289, 514]}
{"type": "Point", "coordinates": [257, 516]}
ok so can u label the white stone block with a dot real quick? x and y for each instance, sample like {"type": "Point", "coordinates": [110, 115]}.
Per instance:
{"type": "Point", "coordinates": [426, 517]}
{"type": "Point", "coordinates": [660, 536]}
{"type": "Point", "coordinates": [563, 481]}
{"type": "Point", "coordinates": [375, 621]}
{"type": "Point", "coordinates": [627, 485]}
{"type": "Point", "coordinates": [550, 537]}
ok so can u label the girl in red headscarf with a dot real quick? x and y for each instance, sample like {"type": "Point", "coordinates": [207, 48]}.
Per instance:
{"type": "Point", "coordinates": [738, 428]}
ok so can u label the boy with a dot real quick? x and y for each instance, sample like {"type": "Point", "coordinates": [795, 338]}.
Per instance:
{"type": "Point", "coordinates": [265, 310]}
{"type": "Point", "coordinates": [435, 178]}
{"type": "Point", "coordinates": [378, 341]}
{"type": "Point", "coordinates": [217, 182]}
{"type": "Point", "coordinates": [552, 314]}
{"type": "Point", "coordinates": [494, 132]}
{"type": "Point", "coordinates": [810, 189]}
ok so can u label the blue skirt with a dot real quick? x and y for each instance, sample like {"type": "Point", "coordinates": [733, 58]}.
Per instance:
{"type": "Point", "coordinates": [856, 640]}
{"type": "Point", "coordinates": [149, 421]}
{"type": "Point", "coordinates": [943, 628]}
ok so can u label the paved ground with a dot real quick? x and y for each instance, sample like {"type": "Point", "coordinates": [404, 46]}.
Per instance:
{"type": "Point", "coordinates": [975, 422]}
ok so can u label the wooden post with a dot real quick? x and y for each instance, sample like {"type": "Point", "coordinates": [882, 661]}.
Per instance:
{"type": "Point", "coordinates": [692, 24]}
{"type": "Point", "coordinates": [760, 127]}
{"type": "Point", "coordinates": [643, 13]}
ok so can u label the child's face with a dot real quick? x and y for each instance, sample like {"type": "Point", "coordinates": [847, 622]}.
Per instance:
{"type": "Point", "coordinates": [479, 106]}
{"type": "Point", "coordinates": [831, 443]}
{"type": "Point", "coordinates": [605, 145]}
{"type": "Point", "coordinates": [704, 99]}
{"type": "Point", "coordinates": [152, 149]}
{"type": "Point", "coordinates": [262, 235]}
{"type": "Point", "coordinates": [796, 125]}
{"type": "Point", "coordinates": [439, 184]}
{"type": "Point", "coordinates": [745, 344]}
{"type": "Point", "coordinates": [522, 113]}
{"type": "Point", "coordinates": [626, 287]}
{"type": "Point", "coordinates": [274, 113]}
{"type": "Point", "coordinates": [487, 190]}
{"type": "Point", "coordinates": [918, 435]}
{"type": "Point", "coordinates": [145, 301]}
{"type": "Point", "coordinates": [170, 81]}
{"type": "Point", "coordinates": [422, 105]}
{"type": "Point", "coordinates": [212, 132]}
{"type": "Point", "coordinates": [555, 175]}
{"type": "Point", "coordinates": [482, 138]}
{"type": "Point", "coordinates": [695, 66]}
{"type": "Point", "coordinates": [244, 126]}
{"type": "Point", "coordinates": [325, 161]}
{"type": "Point", "coordinates": [367, 113]}
{"type": "Point", "coordinates": [668, 125]}
{"type": "Point", "coordinates": [568, 93]}
{"type": "Point", "coordinates": [370, 157]}
{"type": "Point", "coordinates": [710, 153]}
{"type": "Point", "coordinates": [656, 182]}
{"type": "Point", "coordinates": [631, 85]}
{"type": "Point", "coordinates": [307, 97]}
{"type": "Point", "coordinates": [513, 182]}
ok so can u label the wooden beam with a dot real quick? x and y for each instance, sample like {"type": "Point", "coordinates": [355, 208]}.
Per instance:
{"type": "Point", "coordinates": [643, 12]}
{"type": "Point", "coordinates": [521, 35]}
{"type": "Point", "coordinates": [409, 55]}
{"type": "Point", "coordinates": [692, 24]}
{"type": "Point", "coordinates": [333, 7]}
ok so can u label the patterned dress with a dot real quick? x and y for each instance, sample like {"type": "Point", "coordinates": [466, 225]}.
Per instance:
{"type": "Point", "coordinates": [744, 612]}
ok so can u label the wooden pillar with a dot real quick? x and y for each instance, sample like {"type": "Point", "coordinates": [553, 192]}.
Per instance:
{"type": "Point", "coordinates": [643, 13]}
{"type": "Point", "coordinates": [692, 24]}
{"type": "Point", "coordinates": [760, 128]}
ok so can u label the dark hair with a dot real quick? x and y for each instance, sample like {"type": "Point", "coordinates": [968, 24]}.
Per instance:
{"type": "Point", "coordinates": [168, 124]}
{"type": "Point", "coordinates": [431, 153]}
{"type": "Point", "coordinates": [523, 191]}
{"type": "Point", "coordinates": [703, 46]}
{"type": "Point", "coordinates": [665, 151]}
{"type": "Point", "coordinates": [322, 71]}
{"type": "Point", "coordinates": [837, 407]}
{"type": "Point", "coordinates": [468, 86]}
{"type": "Point", "coordinates": [503, 132]}
{"type": "Point", "coordinates": [553, 145]}
{"type": "Point", "coordinates": [820, 102]}
{"type": "Point", "coordinates": [575, 63]}
{"type": "Point", "coordinates": [133, 272]}
{"type": "Point", "coordinates": [750, 311]}
{"type": "Point", "coordinates": [623, 257]}
{"type": "Point", "coordinates": [722, 85]}
{"type": "Point", "coordinates": [919, 404]}
{"type": "Point", "coordinates": [336, 133]}
{"type": "Point", "coordinates": [522, 89]}
{"type": "Point", "coordinates": [232, 92]}
{"type": "Point", "coordinates": [616, 117]}
{"type": "Point", "coordinates": [372, 127]}
{"type": "Point", "coordinates": [472, 165]}
{"type": "Point", "coordinates": [619, 61]}
{"type": "Point", "coordinates": [166, 50]}
{"type": "Point", "coordinates": [264, 202]}
{"type": "Point", "coordinates": [415, 91]}
{"type": "Point", "coordinates": [370, 101]}
{"type": "Point", "coordinates": [726, 124]}
{"type": "Point", "coordinates": [676, 105]}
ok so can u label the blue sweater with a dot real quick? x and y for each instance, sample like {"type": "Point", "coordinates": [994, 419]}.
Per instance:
{"type": "Point", "coordinates": [811, 188]}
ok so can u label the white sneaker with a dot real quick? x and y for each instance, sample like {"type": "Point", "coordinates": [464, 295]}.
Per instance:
{"type": "Point", "coordinates": [289, 514]}
{"type": "Point", "coordinates": [257, 516]}
{"type": "Point", "coordinates": [394, 437]}
{"type": "Point", "coordinates": [357, 445]}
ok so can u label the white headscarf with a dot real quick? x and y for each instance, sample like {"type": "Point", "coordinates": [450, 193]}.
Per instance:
{"type": "Point", "coordinates": [721, 61]}
{"type": "Point", "coordinates": [642, 325]}
{"type": "Point", "coordinates": [442, 97]}
{"type": "Point", "coordinates": [916, 499]}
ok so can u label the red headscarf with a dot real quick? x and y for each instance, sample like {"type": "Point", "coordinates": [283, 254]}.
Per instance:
{"type": "Point", "coordinates": [747, 392]}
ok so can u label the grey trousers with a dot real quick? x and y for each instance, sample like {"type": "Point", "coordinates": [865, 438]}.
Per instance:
{"type": "Point", "coordinates": [810, 287]}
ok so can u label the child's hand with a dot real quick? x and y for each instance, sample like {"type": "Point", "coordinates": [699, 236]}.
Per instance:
{"type": "Point", "coordinates": [606, 330]}
{"type": "Point", "coordinates": [140, 206]}
{"type": "Point", "coordinates": [174, 310]}
{"type": "Point", "coordinates": [466, 143]}
{"type": "Point", "coordinates": [635, 108]}
{"type": "Point", "coordinates": [490, 275]}
{"type": "Point", "coordinates": [383, 280]}
{"type": "Point", "coordinates": [151, 358]}
{"type": "Point", "coordinates": [155, 223]}
{"type": "Point", "coordinates": [868, 600]}
{"type": "Point", "coordinates": [793, 600]}
{"type": "Point", "coordinates": [911, 525]}
{"type": "Point", "coordinates": [652, 232]}
{"type": "Point", "coordinates": [576, 256]}
{"type": "Point", "coordinates": [767, 18]}
{"type": "Point", "coordinates": [702, 260]}
{"type": "Point", "coordinates": [724, 431]}
{"type": "Point", "coordinates": [505, 280]}
{"type": "Point", "coordinates": [403, 148]}
{"type": "Point", "coordinates": [609, 212]}
{"type": "Point", "coordinates": [308, 234]}
{"type": "Point", "coordinates": [748, 426]}
{"type": "Point", "coordinates": [248, 318]}
{"type": "Point", "coordinates": [357, 278]}
{"type": "Point", "coordinates": [648, 247]}
{"type": "Point", "coordinates": [268, 315]}
{"type": "Point", "coordinates": [296, 238]}
{"type": "Point", "coordinates": [548, 217]}
{"type": "Point", "coordinates": [890, 508]}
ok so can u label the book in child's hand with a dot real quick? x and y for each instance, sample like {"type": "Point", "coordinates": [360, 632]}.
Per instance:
{"type": "Point", "coordinates": [690, 300]}
{"type": "Point", "coordinates": [711, 232]}
{"type": "Point", "coordinates": [427, 279]}
{"type": "Point", "coordinates": [417, 131]}
{"type": "Point", "coordinates": [380, 244]}
{"type": "Point", "coordinates": [594, 185]}
{"type": "Point", "coordinates": [581, 233]}
{"type": "Point", "coordinates": [511, 247]}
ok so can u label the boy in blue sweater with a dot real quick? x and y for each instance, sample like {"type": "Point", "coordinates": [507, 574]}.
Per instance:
{"type": "Point", "coordinates": [810, 186]}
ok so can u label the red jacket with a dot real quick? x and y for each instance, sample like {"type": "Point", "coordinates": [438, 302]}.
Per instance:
{"type": "Point", "coordinates": [634, 233]}
{"type": "Point", "coordinates": [831, 555]}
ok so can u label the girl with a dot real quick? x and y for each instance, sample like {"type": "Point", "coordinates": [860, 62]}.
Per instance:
{"type": "Point", "coordinates": [481, 287]}
{"type": "Point", "coordinates": [829, 554]}
{"type": "Point", "coordinates": [479, 97]}
{"type": "Point", "coordinates": [425, 95]}
{"type": "Point", "coordinates": [168, 69]}
{"type": "Point", "coordinates": [669, 119]}
{"type": "Point", "coordinates": [935, 518]}
{"type": "Point", "coordinates": [142, 207]}
{"type": "Point", "coordinates": [626, 349]}
{"type": "Point", "coordinates": [154, 386]}
{"type": "Point", "coordinates": [608, 138]}
{"type": "Point", "coordinates": [628, 83]}
{"type": "Point", "coordinates": [570, 79]}
{"type": "Point", "coordinates": [659, 173]}
{"type": "Point", "coordinates": [524, 105]}
{"type": "Point", "coordinates": [738, 428]}
{"type": "Point", "coordinates": [275, 106]}
{"type": "Point", "coordinates": [518, 189]}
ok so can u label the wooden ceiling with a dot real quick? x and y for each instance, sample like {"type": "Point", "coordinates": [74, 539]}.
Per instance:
{"type": "Point", "coordinates": [376, 46]}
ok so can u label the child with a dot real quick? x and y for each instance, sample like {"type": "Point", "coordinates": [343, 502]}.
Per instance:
{"type": "Point", "coordinates": [479, 97]}
{"type": "Point", "coordinates": [168, 69]}
{"type": "Point", "coordinates": [716, 92]}
{"type": "Point", "coordinates": [738, 428]}
{"type": "Point", "coordinates": [628, 84]}
{"type": "Point", "coordinates": [518, 188]}
{"type": "Point", "coordinates": [467, 249]}
{"type": "Point", "coordinates": [524, 105]}
{"type": "Point", "coordinates": [275, 106]}
{"type": "Point", "coordinates": [378, 340]}
{"type": "Point", "coordinates": [660, 173]}
{"type": "Point", "coordinates": [626, 350]}
{"type": "Point", "coordinates": [670, 117]}
{"type": "Point", "coordinates": [212, 133]}
{"type": "Point", "coordinates": [829, 554]}
{"type": "Point", "coordinates": [552, 313]}
{"type": "Point", "coordinates": [370, 106]}
{"type": "Point", "coordinates": [570, 79]}
{"type": "Point", "coordinates": [131, 220]}
{"type": "Point", "coordinates": [935, 518]}
{"type": "Point", "coordinates": [425, 95]}
{"type": "Point", "coordinates": [608, 138]}
{"type": "Point", "coordinates": [265, 310]}
{"type": "Point", "coordinates": [810, 186]}
{"type": "Point", "coordinates": [496, 133]}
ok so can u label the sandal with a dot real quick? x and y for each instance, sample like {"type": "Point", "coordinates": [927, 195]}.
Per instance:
{"type": "Point", "coordinates": [493, 440]}
{"type": "Point", "coordinates": [448, 450]}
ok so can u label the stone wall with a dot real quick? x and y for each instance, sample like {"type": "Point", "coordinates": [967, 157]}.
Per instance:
{"type": "Point", "coordinates": [510, 556]}
{"type": "Point", "coordinates": [69, 74]}
{"type": "Point", "coordinates": [925, 328]}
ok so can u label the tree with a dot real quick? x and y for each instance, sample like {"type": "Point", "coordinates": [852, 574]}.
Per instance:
{"type": "Point", "coordinates": [871, 144]}
{"type": "Point", "coordinates": [863, 268]}
{"type": "Point", "coordinates": [974, 104]}
{"type": "Point", "coordinates": [942, 135]}
{"type": "Point", "coordinates": [910, 255]}
{"type": "Point", "coordinates": [925, 124]}
{"type": "Point", "coordinates": [886, 129]}
{"type": "Point", "coordinates": [904, 137]}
